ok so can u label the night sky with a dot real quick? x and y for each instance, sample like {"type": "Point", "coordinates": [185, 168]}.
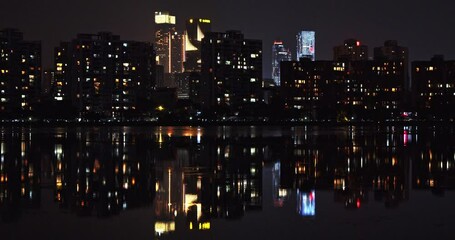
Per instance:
{"type": "Point", "coordinates": [426, 27]}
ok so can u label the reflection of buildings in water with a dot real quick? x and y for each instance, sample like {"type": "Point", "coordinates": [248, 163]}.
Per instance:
{"type": "Point", "coordinates": [435, 154]}
{"type": "Point", "coordinates": [208, 179]}
{"type": "Point", "coordinates": [353, 163]}
{"type": "Point", "coordinates": [101, 173]}
{"type": "Point", "coordinates": [20, 172]}
{"type": "Point", "coordinates": [279, 194]}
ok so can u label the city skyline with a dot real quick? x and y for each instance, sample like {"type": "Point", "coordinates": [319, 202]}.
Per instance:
{"type": "Point", "coordinates": [135, 22]}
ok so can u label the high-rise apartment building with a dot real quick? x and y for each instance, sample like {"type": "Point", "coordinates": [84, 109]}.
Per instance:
{"type": "Point", "coordinates": [279, 54]}
{"type": "Point", "coordinates": [231, 70]}
{"type": "Point", "coordinates": [103, 75]}
{"type": "Point", "coordinates": [351, 50]}
{"type": "Point", "coordinates": [434, 88]}
{"type": "Point", "coordinates": [356, 90]}
{"type": "Point", "coordinates": [306, 41]}
{"type": "Point", "coordinates": [391, 51]}
{"type": "Point", "coordinates": [20, 72]}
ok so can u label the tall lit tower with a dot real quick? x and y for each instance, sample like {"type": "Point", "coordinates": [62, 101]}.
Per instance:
{"type": "Point", "coordinates": [306, 45]}
{"type": "Point", "coordinates": [279, 54]}
{"type": "Point", "coordinates": [195, 32]}
{"type": "Point", "coordinates": [164, 33]}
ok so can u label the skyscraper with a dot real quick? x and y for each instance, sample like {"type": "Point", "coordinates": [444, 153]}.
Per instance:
{"type": "Point", "coordinates": [279, 54]}
{"type": "Point", "coordinates": [177, 52]}
{"type": "Point", "coordinates": [195, 32]}
{"type": "Point", "coordinates": [351, 50]}
{"type": "Point", "coordinates": [164, 32]}
{"type": "Point", "coordinates": [231, 70]}
{"type": "Point", "coordinates": [20, 72]}
{"type": "Point", "coordinates": [306, 45]}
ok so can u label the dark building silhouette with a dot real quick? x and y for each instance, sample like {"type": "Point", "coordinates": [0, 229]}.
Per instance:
{"type": "Point", "coordinates": [231, 70]}
{"type": "Point", "coordinates": [20, 73]}
{"type": "Point", "coordinates": [351, 50]}
{"type": "Point", "coordinates": [103, 75]}
{"type": "Point", "coordinates": [434, 88]}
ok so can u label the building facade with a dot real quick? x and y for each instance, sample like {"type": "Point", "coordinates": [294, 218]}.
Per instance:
{"type": "Point", "coordinates": [231, 74]}
{"type": "Point", "coordinates": [20, 73]}
{"type": "Point", "coordinates": [279, 54]}
{"type": "Point", "coordinates": [343, 91]}
{"type": "Point", "coordinates": [103, 75]}
{"type": "Point", "coordinates": [391, 51]}
{"type": "Point", "coordinates": [434, 88]}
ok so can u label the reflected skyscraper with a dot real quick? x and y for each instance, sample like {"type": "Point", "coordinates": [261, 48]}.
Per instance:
{"type": "Point", "coordinates": [306, 41]}
{"type": "Point", "coordinates": [279, 54]}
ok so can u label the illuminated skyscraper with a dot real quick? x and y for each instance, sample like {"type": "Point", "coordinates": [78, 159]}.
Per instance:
{"type": "Point", "coordinates": [351, 50]}
{"type": "Point", "coordinates": [279, 54]}
{"type": "Point", "coordinates": [306, 45]}
{"type": "Point", "coordinates": [165, 29]}
{"type": "Point", "coordinates": [20, 72]}
{"type": "Point", "coordinates": [195, 32]}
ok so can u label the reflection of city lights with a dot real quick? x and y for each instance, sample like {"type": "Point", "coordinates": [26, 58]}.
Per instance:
{"type": "Point", "coordinates": [164, 227]}
{"type": "Point", "coordinates": [204, 226]}
{"type": "Point", "coordinates": [199, 135]}
{"type": "Point", "coordinates": [282, 192]}
{"type": "Point", "coordinates": [306, 204]}
{"type": "Point", "coordinates": [405, 137]}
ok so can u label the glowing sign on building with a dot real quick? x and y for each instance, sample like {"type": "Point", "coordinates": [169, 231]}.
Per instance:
{"type": "Point", "coordinates": [306, 45]}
